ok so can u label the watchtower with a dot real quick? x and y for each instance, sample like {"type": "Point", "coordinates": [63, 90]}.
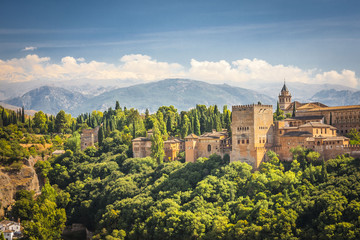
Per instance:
{"type": "Point", "coordinates": [252, 133]}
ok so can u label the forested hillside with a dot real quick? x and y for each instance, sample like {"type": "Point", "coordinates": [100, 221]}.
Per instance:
{"type": "Point", "coordinates": [120, 197]}
{"type": "Point", "coordinates": [127, 198]}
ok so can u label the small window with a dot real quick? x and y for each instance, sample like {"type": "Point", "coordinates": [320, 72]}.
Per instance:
{"type": "Point", "coordinates": [209, 148]}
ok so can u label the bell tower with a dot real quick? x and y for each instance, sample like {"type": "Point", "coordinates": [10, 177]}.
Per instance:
{"type": "Point", "coordinates": [284, 98]}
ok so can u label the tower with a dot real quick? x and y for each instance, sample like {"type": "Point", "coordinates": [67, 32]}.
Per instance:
{"type": "Point", "coordinates": [284, 98]}
{"type": "Point", "coordinates": [190, 148]}
{"type": "Point", "coordinates": [252, 133]}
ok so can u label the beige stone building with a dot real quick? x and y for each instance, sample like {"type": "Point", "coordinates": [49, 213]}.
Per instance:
{"type": "Point", "coordinates": [252, 132]}
{"type": "Point", "coordinates": [206, 144]}
{"type": "Point", "coordinates": [315, 126]}
{"type": "Point", "coordinates": [89, 137]}
{"type": "Point", "coordinates": [141, 147]}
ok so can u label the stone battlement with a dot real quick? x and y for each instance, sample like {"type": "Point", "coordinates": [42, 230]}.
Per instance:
{"type": "Point", "coordinates": [237, 107]}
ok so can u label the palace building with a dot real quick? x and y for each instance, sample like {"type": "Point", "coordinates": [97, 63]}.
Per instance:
{"type": "Point", "coordinates": [315, 126]}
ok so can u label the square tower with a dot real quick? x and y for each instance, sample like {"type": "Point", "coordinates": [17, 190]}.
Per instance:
{"type": "Point", "coordinates": [252, 133]}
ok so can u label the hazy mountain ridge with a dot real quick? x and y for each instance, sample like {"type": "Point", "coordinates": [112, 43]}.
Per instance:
{"type": "Point", "coordinates": [49, 100]}
{"type": "Point", "coordinates": [182, 93]}
{"type": "Point", "coordinates": [334, 97]}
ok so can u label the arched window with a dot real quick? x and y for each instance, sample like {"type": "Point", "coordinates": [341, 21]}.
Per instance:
{"type": "Point", "coordinates": [209, 148]}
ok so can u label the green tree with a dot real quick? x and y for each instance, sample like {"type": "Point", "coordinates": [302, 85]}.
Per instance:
{"type": "Point", "coordinates": [40, 121]}
{"type": "Point", "coordinates": [157, 144]}
{"type": "Point", "coordinates": [74, 142]}
{"type": "Point", "coordinates": [197, 125]}
{"type": "Point", "coordinates": [117, 105]}
{"type": "Point", "coordinates": [185, 126]}
{"type": "Point", "coordinates": [60, 121]}
{"type": "Point", "coordinates": [294, 110]}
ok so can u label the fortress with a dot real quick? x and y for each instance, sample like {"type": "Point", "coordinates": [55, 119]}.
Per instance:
{"type": "Point", "coordinates": [315, 126]}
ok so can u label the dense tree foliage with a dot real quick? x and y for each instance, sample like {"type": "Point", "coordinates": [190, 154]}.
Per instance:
{"type": "Point", "coordinates": [120, 197]}
{"type": "Point", "coordinates": [140, 198]}
{"type": "Point", "coordinates": [43, 218]}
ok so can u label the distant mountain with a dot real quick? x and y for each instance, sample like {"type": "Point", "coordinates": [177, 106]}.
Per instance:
{"type": "Point", "coordinates": [49, 100]}
{"type": "Point", "coordinates": [15, 108]}
{"type": "Point", "coordinates": [182, 93]}
{"type": "Point", "coordinates": [334, 97]}
{"type": "Point", "coordinates": [302, 92]}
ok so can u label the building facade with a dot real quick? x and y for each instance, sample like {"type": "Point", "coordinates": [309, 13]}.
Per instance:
{"type": "Point", "coordinates": [314, 126]}
{"type": "Point", "coordinates": [252, 132]}
{"type": "Point", "coordinates": [89, 137]}
{"type": "Point", "coordinates": [207, 144]}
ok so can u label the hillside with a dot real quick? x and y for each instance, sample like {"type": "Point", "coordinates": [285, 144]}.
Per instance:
{"type": "Point", "coordinates": [49, 100]}
{"type": "Point", "coordinates": [334, 97]}
{"type": "Point", "coordinates": [181, 93]}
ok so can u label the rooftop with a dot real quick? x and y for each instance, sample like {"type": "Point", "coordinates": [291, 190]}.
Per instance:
{"type": "Point", "coordinates": [298, 134]}
{"type": "Point", "coordinates": [139, 139]}
{"type": "Point", "coordinates": [336, 108]}
{"type": "Point", "coordinates": [191, 136]}
{"type": "Point", "coordinates": [317, 124]}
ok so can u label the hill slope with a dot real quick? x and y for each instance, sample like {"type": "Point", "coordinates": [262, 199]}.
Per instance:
{"type": "Point", "coordinates": [334, 97]}
{"type": "Point", "coordinates": [181, 93]}
{"type": "Point", "coordinates": [49, 100]}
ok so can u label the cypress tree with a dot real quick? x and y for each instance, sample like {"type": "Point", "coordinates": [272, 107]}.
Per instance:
{"type": "Point", "coordinates": [117, 105]}
{"type": "Point", "coordinates": [196, 125]}
{"type": "Point", "coordinates": [157, 144]}
{"type": "Point", "coordinates": [169, 124]}
{"type": "Point", "coordinates": [277, 109]}
{"type": "Point", "coordinates": [294, 110]}
{"type": "Point", "coordinates": [23, 115]}
{"type": "Point", "coordinates": [134, 129]}
{"type": "Point", "coordinates": [324, 174]}
{"type": "Point", "coordinates": [101, 135]}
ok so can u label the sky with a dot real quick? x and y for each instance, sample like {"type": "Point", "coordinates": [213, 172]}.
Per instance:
{"type": "Point", "coordinates": [236, 42]}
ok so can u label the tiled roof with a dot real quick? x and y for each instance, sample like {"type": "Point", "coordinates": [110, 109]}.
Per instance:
{"type": "Point", "coordinates": [175, 140]}
{"type": "Point", "coordinates": [305, 118]}
{"type": "Point", "coordinates": [336, 108]}
{"type": "Point", "coordinates": [138, 139]}
{"type": "Point", "coordinates": [214, 135]}
{"type": "Point", "coordinates": [284, 88]}
{"type": "Point", "coordinates": [316, 124]}
{"type": "Point", "coordinates": [297, 134]}
{"type": "Point", "coordinates": [192, 136]}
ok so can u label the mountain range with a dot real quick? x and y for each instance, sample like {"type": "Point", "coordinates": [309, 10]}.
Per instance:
{"type": "Point", "coordinates": [181, 93]}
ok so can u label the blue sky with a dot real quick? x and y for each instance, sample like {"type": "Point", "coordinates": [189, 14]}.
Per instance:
{"type": "Point", "coordinates": [319, 38]}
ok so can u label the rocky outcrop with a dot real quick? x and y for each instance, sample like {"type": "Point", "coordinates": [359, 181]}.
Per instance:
{"type": "Point", "coordinates": [11, 182]}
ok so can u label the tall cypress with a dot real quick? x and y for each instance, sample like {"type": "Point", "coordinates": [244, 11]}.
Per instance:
{"type": "Point", "coordinates": [294, 110]}
{"type": "Point", "coordinates": [157, 144]}
{"type": "Point", "coordinates": [196, 125]}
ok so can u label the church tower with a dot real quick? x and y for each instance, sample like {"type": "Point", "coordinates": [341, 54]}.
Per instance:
{"type": "Point", "coordinates": [284, 98]}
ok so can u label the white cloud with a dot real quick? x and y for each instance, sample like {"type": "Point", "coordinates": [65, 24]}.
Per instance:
{"type": "Point", "coordinates": [30, 48]}
{"type": "Point", "coordinates": [143, 68]}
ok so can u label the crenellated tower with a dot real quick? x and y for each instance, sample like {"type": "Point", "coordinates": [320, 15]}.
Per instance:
{"type": "Point", "coordinates": [252, 133]}
{"type": "Point", "coordinates": [284, 98]}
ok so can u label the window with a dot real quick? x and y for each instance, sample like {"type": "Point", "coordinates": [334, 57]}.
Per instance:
{"type": "Point", "coordinates": [209, 148]}
{"type": "Point", "coordinates": [243, 141]}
